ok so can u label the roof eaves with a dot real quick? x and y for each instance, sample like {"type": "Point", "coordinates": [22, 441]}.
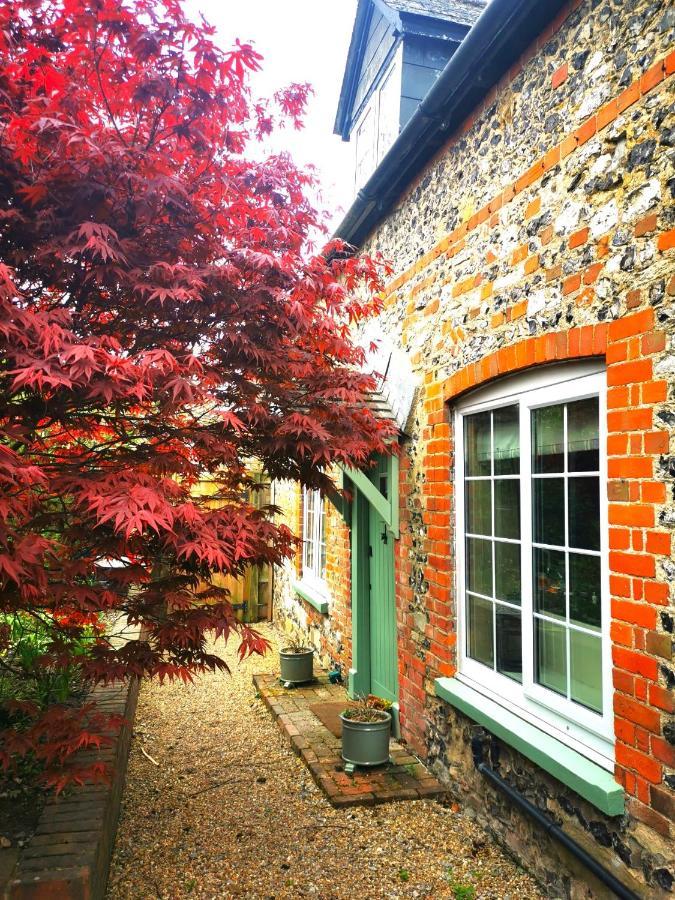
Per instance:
{"type": "Point", "coordinates": [497, 40]}
{"type": "Point", "coordinates": [427, 26]}
{"type": "Point", "coordinates": [364, 12]}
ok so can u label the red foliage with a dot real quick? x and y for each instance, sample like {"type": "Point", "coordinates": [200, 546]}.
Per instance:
{"type": "Point", "coordinates": [162, 321]}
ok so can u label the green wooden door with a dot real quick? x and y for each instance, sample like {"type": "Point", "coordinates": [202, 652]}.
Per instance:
{"type": "Point", "coordinates": [383, 634]}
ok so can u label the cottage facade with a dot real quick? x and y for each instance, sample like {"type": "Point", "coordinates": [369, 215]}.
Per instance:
{"type": "Point", "coordinates": [508, 579]}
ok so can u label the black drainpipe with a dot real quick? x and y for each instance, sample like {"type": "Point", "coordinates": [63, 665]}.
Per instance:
{"type": "Point", "coordinates": [549, 827]}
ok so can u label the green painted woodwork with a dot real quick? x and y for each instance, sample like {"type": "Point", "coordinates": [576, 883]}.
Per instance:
{"type": "Point", "coordinates": [383, 637]}
{"type": "Point", "coordinates": [374, 635]}
{"type": "Point", "coordinates": [386, 507]}
{"type": "Point", "coordinates": [359, 674]}
{"type": "Point", "coordinates": [368, 489]}
{"type": "Point", "coordinates": [393, 497]}
{"type": "Point", "coordinates": [588, 779]}
{"type": "Point", "coordinates": [314, 599]}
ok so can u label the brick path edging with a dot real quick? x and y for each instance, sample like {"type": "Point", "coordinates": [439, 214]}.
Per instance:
{"type": "Point", "coordinates": [404, 778]}
{"type": "Point", "coordinates": [68, 857]}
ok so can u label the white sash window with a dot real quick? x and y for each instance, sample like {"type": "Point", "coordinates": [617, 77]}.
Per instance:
{"type": "Point", "coordinates": [532, 552]}
{"type": "Point", "coordinates": [313, 539]}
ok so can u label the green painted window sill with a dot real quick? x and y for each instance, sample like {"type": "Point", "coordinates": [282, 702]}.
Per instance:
{"type": "Point", "coordinates": [312, 596]}
{"type": "Point", "coordinates": [587, 778]}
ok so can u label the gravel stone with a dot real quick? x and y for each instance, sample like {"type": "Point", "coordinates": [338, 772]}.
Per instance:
{"type": "Point", "coordinates": [230, 811]}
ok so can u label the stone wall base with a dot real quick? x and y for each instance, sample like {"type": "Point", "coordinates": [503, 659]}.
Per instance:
{"type": "Point", "coordinates": [621, 844]}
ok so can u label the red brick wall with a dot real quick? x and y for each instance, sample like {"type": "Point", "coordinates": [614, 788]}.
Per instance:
{"type": "Point", "coordinates": [636, 541]}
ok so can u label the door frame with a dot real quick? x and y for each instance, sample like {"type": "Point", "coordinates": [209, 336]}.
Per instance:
{"type": "Point", "coordinates": [366, 496]}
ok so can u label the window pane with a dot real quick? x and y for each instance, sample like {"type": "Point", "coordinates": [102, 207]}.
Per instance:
{"type": "Point", "coordinates": [548, 514]}
{"type": "Point", "coordinates": [507, 572]}
{"type": "Point", "coordinates": [480, 643]}
{"type": "Point", "coordinates": [507, 508]}
{"type": "Point", "coordinates": [479, 507]}
{"type": "Point", "coordinates": [551, 656]}
{"type": "Point", "coordinates": [586, 669]}
{"type": "Point", "coordinates": [509, 644]}
{"type": "Point", "coordinates": [584, 512]}
{"type": "Point", "coordinates": [507, 440]}
{"type": "Point", "coordinates": [479, 566]}
{"type": "Point", "coordinates": [549, 582]}
{"type": "Point", "coordinates": [547, 439]}
{"type": "Point", "coordinates": [582, 435]}
{"type": "Point", "coordinates": [477, 442]}
{"type": "Point", "coordinates": [585, 591]}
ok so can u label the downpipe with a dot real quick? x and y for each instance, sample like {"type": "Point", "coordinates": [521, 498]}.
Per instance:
{"type": "Point", "coordinates": [546, 824]}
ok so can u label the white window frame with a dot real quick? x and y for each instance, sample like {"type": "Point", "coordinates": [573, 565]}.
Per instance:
{"type": "Point", "coordinates": [590, 733]}
{"type": "Point", "coordinates": [313, 575]}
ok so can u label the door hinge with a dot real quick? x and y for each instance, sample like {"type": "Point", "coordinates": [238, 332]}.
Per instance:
{"type": "Point", "coordinates": [370, 550]}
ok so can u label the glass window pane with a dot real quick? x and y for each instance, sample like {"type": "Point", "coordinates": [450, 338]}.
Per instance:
{"type": "Point", "coordinates": [583, 511]}
{"type": "Point", "coordinates": [507, 508]}
{"type": "Point", "coordinates": [586, 670]}
{"type": "Point", "coordinates": [507, 572]}
{"type": "Point", "coordinates": [548, 584]}
{"type": "Point", "coordinates": [583, 435]}
{"type": "Point", "coordinates": [548, 513]}
{"type": "Point", "coordinates": [585, 589]}
{"type": "Point", "coordinates": [509, 643]}
{"type": "Point", "coordinates": [479, 566]}
{"type": "Point", "coordinates": [309, 555]}
{"type": "Point", "coordinates": [506, 424]}
{"type": "Point", "coordinates": [477, 444]}
{"type": "Point", "coordinates": [548, 439]}
{"type": "Point", "coordinates": [479, 507]}
{"type": "Point", "coordinates": [551, 656]}
{"type": "Point", "coordinates": [480, 643]}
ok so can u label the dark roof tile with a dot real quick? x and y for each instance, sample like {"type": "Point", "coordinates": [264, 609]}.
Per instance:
{"type": "Point", "coordinates": [463, 12]}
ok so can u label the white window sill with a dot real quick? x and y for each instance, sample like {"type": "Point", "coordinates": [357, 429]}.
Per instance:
{"type": "Point", "coordinates": [312, 595]}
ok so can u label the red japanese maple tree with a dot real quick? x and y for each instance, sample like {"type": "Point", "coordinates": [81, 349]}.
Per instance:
{"type": "Point", "coordinates": [163, 321]}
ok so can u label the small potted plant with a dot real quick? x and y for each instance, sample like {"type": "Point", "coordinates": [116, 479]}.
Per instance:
{"type": "Point", "coordinates": [296, 662]}
{"type": "Point", "coordinates": [366, 729]}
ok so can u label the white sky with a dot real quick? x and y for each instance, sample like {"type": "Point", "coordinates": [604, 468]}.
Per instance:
{"type": "Point", "coordinates": [301, 40]}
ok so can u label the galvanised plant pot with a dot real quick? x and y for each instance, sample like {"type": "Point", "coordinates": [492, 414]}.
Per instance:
{"type": "Point", "coordinates": [366, 743]}
{"type": "Point", "coordinates": [296, 667]}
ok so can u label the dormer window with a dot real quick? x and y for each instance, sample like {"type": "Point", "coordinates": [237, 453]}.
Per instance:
{"type": "Point", "coordinates": [379, 123]}
{"type": "Point", "coordinates": [398, 49]}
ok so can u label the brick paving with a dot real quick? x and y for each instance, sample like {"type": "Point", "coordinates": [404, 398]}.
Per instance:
{"type": "Point", "coordinates": [404, 777]}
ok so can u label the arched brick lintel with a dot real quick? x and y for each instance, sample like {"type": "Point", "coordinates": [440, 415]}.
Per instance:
{"type": "Point", "coordinates": [557, 346]}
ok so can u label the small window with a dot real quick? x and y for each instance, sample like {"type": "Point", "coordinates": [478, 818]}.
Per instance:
{"type": "Point", "coordinates": [532, 552]}
{"type": "Point", "coordinates": [313, 538]}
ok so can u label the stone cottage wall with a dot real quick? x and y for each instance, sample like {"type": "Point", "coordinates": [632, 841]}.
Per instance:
{"type": "Point", "coordinates": [331, 634]}
{"type": "Point", "coordinates": [545, 231]}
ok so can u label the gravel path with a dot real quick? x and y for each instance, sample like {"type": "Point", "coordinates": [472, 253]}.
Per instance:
{"type": "Point", "coordinates": [230, 811]}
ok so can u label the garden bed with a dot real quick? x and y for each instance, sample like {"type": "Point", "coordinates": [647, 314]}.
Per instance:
{"type": "Point", "coordinates": [68, 854]}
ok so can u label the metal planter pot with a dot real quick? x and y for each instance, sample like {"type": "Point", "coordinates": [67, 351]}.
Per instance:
{"type": "Point", "coordinates": [366, 743]}
{"type": "Point", "coordinates": [296, 668]}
